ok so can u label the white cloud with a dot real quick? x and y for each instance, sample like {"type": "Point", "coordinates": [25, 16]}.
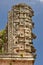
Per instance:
{"type": "Point", "coordinates": [41, 0]}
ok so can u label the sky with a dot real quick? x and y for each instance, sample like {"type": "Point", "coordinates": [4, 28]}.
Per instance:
{"type": "Point", "coordinates": [37, 6]}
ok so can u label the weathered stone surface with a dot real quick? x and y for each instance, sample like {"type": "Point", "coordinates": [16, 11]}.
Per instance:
{"type": "Point", "coordinates": [19, 26]}
{"type": "Point", "coordinates": [20, 49]}
{"type": "Point", "coordinates": [16, 62]}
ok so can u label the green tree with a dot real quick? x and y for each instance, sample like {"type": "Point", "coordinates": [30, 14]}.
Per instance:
{"type": "Point", "coordinates": [3, 38]}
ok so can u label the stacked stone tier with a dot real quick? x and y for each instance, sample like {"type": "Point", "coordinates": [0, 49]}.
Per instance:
{"type": "Point", "coordinates": [22, 25]}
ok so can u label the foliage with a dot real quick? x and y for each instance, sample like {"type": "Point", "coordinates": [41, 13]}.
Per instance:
{"type": "Point", "coordinates": [3, 38]}
{"type": "Point", "coordinates": [21, 55]}
{"type": "Point", "coordinates": [10, 63]}
{"type": "Point", "coordinates": [2, 33]}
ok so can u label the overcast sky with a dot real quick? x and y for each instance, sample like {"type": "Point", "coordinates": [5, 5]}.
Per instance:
{"type": "Point", "coordinates": [37, 5]}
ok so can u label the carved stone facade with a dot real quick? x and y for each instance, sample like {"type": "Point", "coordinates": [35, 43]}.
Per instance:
{"type": "Point", "coordinates": [20, 46]}
{"type": "Point", "coordinates": [20, 27]}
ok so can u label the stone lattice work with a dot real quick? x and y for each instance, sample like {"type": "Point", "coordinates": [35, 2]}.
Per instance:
{"type": "Point", "coordinates": [20, 34]}
{"type": "Point", "coordinates": [19, 49]}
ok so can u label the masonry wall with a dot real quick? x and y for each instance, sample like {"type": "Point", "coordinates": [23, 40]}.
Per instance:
{"type": "Point", "coordinates": [13, 62]}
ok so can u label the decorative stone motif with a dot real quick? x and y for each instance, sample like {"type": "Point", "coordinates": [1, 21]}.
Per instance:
{"type": "Point", "coordinates": [20, 30]}
{"type": "Point", "coordinates": [20, 49]}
